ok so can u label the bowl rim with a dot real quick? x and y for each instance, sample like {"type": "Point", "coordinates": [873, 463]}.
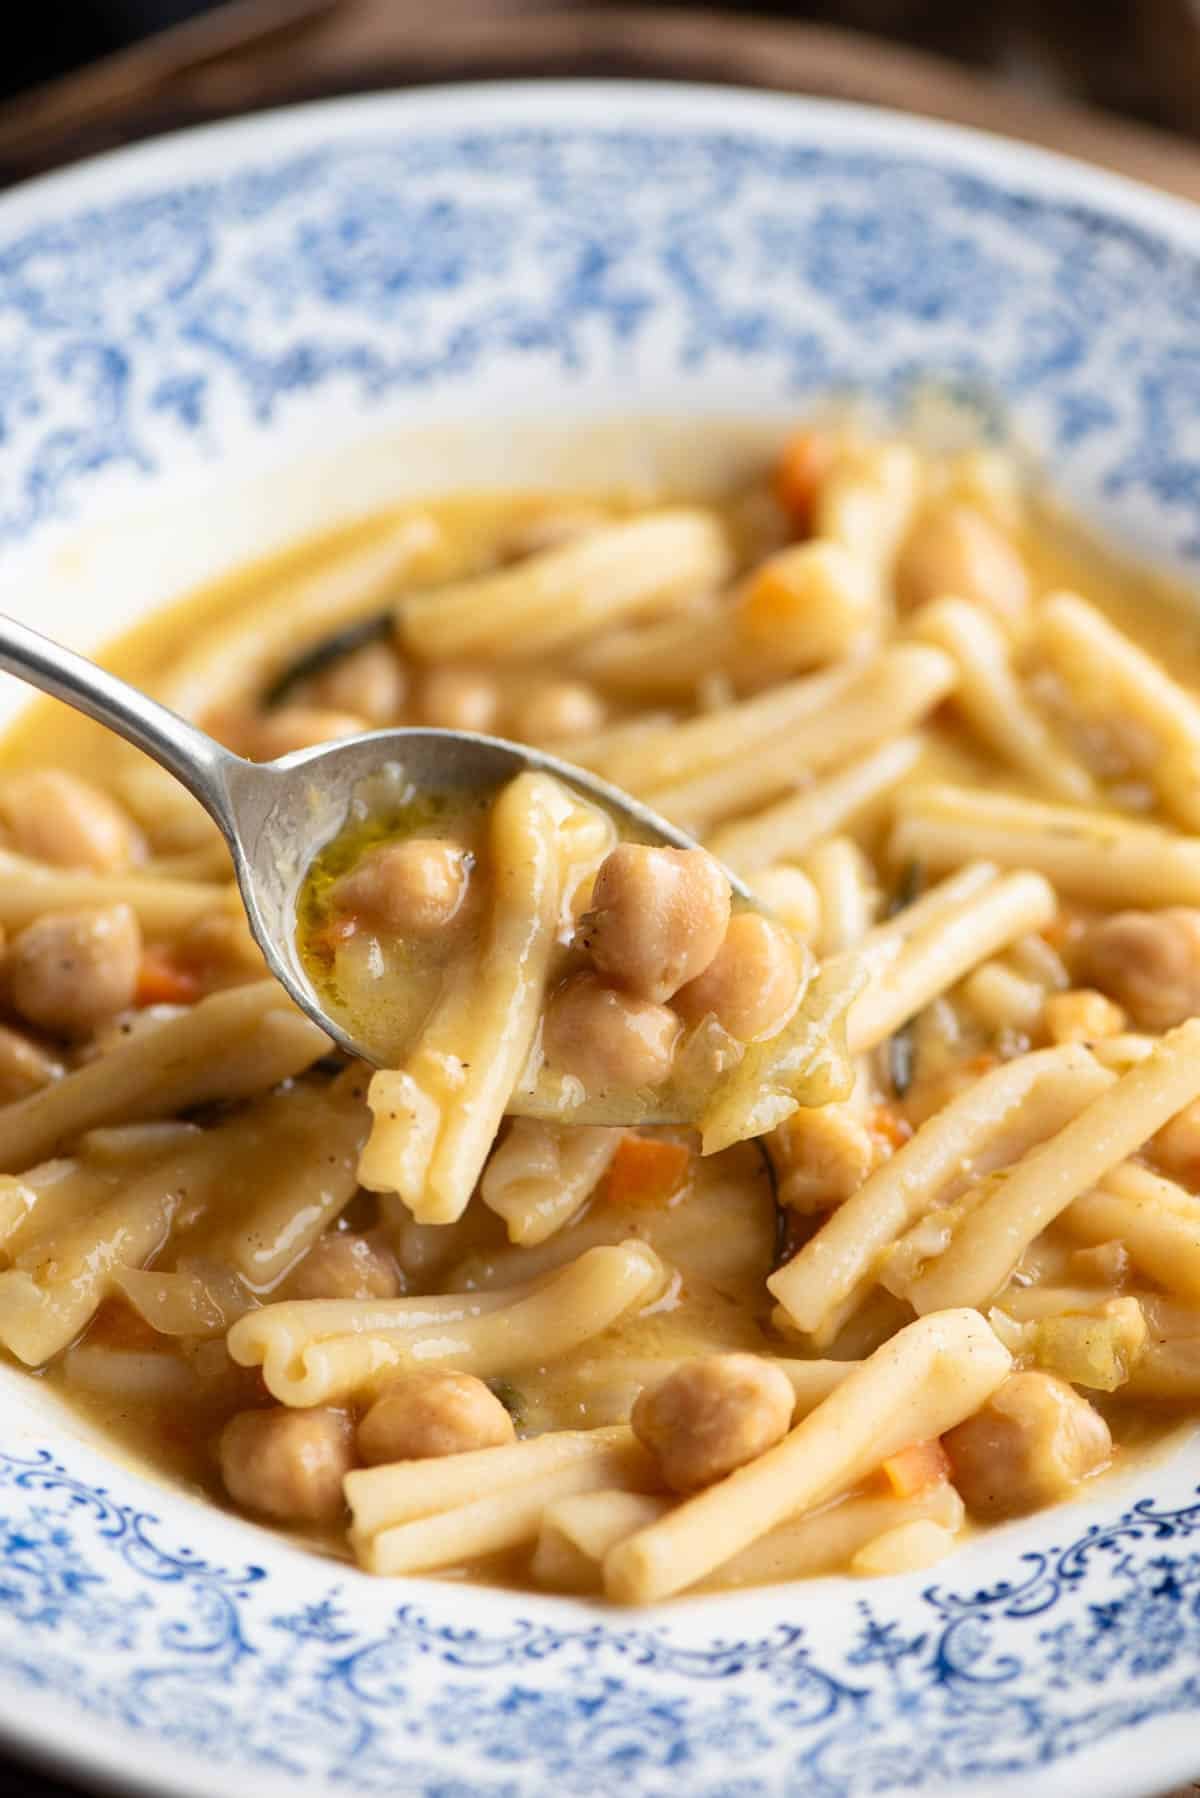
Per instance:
{"type": "Point", "coordinates": [561, 100]}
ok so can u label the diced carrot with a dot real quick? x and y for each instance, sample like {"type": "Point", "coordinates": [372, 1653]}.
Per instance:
{"type": "Point", "coordinates": [163, 979]}
{"type": "Point", "coordinates": [890, 1128]}
{"type": "Point", "coordinates": [646, 1170]}
{"type": "Point", "coordinates": [771, 601]}
{"type": "Point", "coordinates": [919, 1465]}
{"type": "Point", "coordinates": [803, 464]}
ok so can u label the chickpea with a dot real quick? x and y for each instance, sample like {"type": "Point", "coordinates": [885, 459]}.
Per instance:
{"type": "Point", "coordinates": [1149, 962]}
{"type": "Point", "coordinates": [561, 709]}
{"type": "Point", "coordinates": [606, 1038]}
{"type": "Point", "coordinates": [1082, 1016]}
{"type": "Point", "coordinates": [957, 551]}
{"type": "Point", "coordinates": [825, 1152]}
{"type": "Point", "coordinates": [712, 1415]}
{"type": "Point", "coordinates": [458, 699]}
{"type": "Point", "coordinates": [70, 972]}
{"type": "Point", "coordinates": [1030, 1444]}
{"type": "Point", "coordinates": [658, 916]}
{"type": "Point", "coordinates": [287, 1464]}
{"type": "Point", "coordinates": [433, 1413]}
{"type": "Point", "coordinates": [221, 951]}
{"type": "Point", "coordinates": [414, 888]}
{"type": "Point", "coordinates": [369, 684]}
{"type": "Point", "coordinates": [295, 727]}
{"type": "Point", "coordinates": [341, 1265]}
{"type": "Point", "coordinates": [58, 818]}
{"type": "Point", "coordinates": [750, 984]}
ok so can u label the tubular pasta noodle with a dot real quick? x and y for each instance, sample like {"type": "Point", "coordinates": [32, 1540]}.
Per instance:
{"type": "Point", "coordinates": [669, 658]}
{"type": "Point", "coordinates": [403, 1491]}
{"type": "Point", "coordinates": [1123, 1051]}
{"type": "Point", "coordinates": [867, 500]}
{"type": "Point", "coordinates": [1158, 1222]}
{"type": "Point", "coordinates": [230, 661]}
{"type": "Point", "coordinates": [1114, 677]}
{"type": "Point", "coordinates": [577, 1532]}
{"type": "Point", "coordinates": [685, 750]}
{"type": "Point", "coordinates": [1098, 856]}
{"type": "Point", "coordinates": [306, 1362]}
{"type": "Point", "coordinates": [56, 1194]}
{"type": "Point", "coordinates": [889, 695]}
{"type": "Point", "coordinates": [1002, 999]}
{"type": "Point", "coordinates": [541, 1173]}
{"type": "Point", "coordinates": [182, 1303]}
{"type": "Point", "coordinates": [992, 1238]}
{"type": "Point", "coordinates": [941, 901]}
{"type": "Point", "coordinates": [302, 1185]}
{"type": "Point", "coordinates": [229, 1046]}
{"type": "Point", "coordinates": [59, 1280]}
{"type": "Point", "coordinates": [938, 956]}
{"type": "Point", "coordinates": [502, 1520]}
{"type": "Point", "coordinates": [793, 826]}
{"type": "Point", "coordinates": [906, 1548]}
{"type": "Point", "coordinates": [435, 1119]}
{"type": "Point", "coordinates": [593, 750]}
{"type": "Point", "coordinates": [920, 1383]}
{"type": "Point", "coordinates": [827, 1540]}
{"type": "Point", "coordinates": [552, 600]}
{"type": "Point", "coordinates": [163, 907]}
{"type": "Point", "coordinates": [846, 894]}
{"type": "Point", "coordinates": [993, 702]}
{"type": "Point", "coordinates": [985, 1127]}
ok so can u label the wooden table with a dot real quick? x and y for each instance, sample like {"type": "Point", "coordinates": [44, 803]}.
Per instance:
{"type": "Point", "coordinates": [267, 52]}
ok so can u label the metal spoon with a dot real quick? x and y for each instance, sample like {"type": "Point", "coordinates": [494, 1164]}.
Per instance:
{"type": "Point", "coordinates": [276, 816]}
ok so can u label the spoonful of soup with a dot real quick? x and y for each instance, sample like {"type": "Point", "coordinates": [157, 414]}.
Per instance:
{"type": "Point", "coordinates": [497, 932]}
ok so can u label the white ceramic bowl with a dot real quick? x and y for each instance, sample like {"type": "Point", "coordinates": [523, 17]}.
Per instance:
{"type": "Point", "coordinates": [216, 342]}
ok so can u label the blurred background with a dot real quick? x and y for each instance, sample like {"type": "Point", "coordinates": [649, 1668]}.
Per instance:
{"type": "Point", "coordinates": [1141, 57]}
{"type": "Point", "coordinates": [84, 74]}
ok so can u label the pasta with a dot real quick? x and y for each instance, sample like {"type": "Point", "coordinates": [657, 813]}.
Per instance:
{"type": "Point", "coordinates": [306, 1361]}
{"type": "Point", "coordinates": [564, 594]}
{"type": "Point", "coordinates": [1097, 856]}
{"type": "Point", "coordinates": [926, 1379]}
{"type": "Point", "coordinates": [685, 1232]}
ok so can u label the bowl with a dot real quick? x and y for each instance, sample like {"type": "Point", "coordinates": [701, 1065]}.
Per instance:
{"type": "Point", "coordinates": [214, 343]}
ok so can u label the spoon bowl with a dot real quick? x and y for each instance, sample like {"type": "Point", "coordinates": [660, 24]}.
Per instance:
{"type": "Point", "coordinates": [277, 816]}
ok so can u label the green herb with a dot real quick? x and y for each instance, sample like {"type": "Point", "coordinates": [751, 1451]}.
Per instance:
{"type": "Point", "coordinates": [907, 888]}
{"type": "Point", "coordinates": [330, 650]}
{"type": "Point", "coordinates": [783, 1246]}
{"type": "Point", "coordinates": [902, 1058]}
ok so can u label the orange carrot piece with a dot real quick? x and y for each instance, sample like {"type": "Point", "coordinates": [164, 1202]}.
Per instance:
{"type": "Point", "coordinates": [645, 1170]}
{"type": "Point", "coordinates": [163, 980]}
{"type": "Point", "coordinates": [888, 1125]}
{"type": "Point", "coordinates": [803, 464]}
{"type": "Point", "coordinates": [919, 1465]}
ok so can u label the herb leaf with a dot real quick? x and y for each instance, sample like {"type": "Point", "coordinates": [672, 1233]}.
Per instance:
{"type": "Point", "coordinates": [322, 655]}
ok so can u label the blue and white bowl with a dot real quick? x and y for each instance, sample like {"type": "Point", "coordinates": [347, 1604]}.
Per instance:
{"type": "Point", "coordinates": [214, 343]}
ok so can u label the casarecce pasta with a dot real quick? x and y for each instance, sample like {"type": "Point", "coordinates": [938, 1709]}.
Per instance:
{"type": "Point", "coordinates": [919, 1247]}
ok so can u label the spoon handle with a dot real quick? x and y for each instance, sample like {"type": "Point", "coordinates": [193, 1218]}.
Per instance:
{"type": "Point", "coordinates": [186, 752]}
